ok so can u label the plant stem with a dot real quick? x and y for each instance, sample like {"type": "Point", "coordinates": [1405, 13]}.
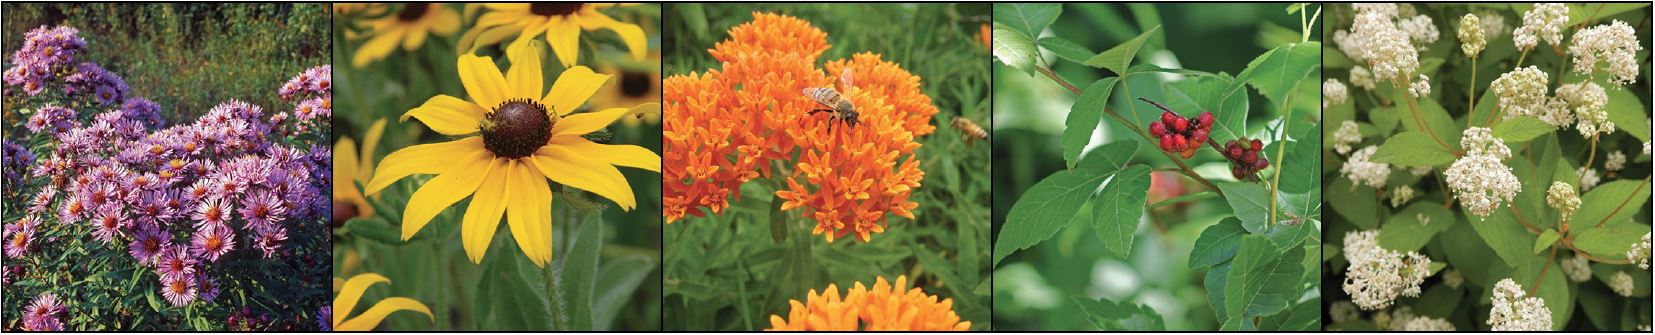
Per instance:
{"type": "Point", "coordinates": [1471, 94]}
{"type": "Point", "coordinates": [1623, 202]}
{"type": "Point", "coordinates": [1542, 275]}
{"type": "Point", "coordinates": [1590, 155]}
{"type": "Point", "coordinates": [1413, 108]}
{"type": "Point", "coordinates": [1281, 153]}
{"type": "Point", "coordinates": [1521, 58]}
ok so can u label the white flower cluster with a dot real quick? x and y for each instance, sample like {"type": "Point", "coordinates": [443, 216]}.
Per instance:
{"type": "Point", "coordinates": [1513, 312]}
{"type": "Point", "coordinates": [1401, 195]}
{"type": "Point", "coordinates": [1420, 29]}
{"type": "Point", "coordinates": [1376, 276]}
{"type": "Point", "coordinates": [1616, 161]}
{"type": "Point", "coordinates": [1420, 88]}
{"type": "Point", "coordinates": [1394, 319]}
{"type": "Point", "coordinates": [1333, 92]}
{"type": "Point", "coordinates": [1586, 102]}
{"type": "Point", "coordinates": [1622, 284]}
{"type": "Point", "coordinates": [1562, 197]}
{"type": "Point", "coordinates": [1588, 178]}
{"type": "Point", "coordinates": [1348, 134]}
{"type": "Point", "coordinates": [1471, 35]}
{"type": "Point", "coordinates": [1375, 38]}
{"type": "Point", "coordinates": [1646, 148]}
{"type": "Point", "coordinates": [1577, 269]}
{"type": "Point", "coordinates": [1361, 78]}
{"type": "Point", "coordinates": [1364, 172]}
{"type": "Point", "coordinates": [1479, 179]}
{"type": "Point", "coordinates": [1419, 170]}
{"type": "Point", "coordinates": [1639, 253]}
{"type": "Point", "coordinates": [1343, 311]}
{"type": "Point", "coordinates": [1428, 324]}
{"type": "Point", "coordinates": [1494, 24]}
{"type": "Point", "coordinates": [1615, 44]}
{"type": "Point", "coordinates": [1546, 21]}
{"type": "Point", "coordinates": [1523, 92]}
{"type": "Point", "coordinates": [1453, 278]}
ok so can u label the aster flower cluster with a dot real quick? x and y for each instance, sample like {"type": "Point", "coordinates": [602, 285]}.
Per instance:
{"type": "Point", "coordinates": [1514, 311]}
{"type": "Point", "coordinates": [1480, 179]}
{"type": "Point", "coordinates": [45, 313]}
{"type": "Point", "coordinates": [1377, 276]}
{"type": "Point", "coordinates": [313, 88]}
{"type": "Point", "coordinates": [17, 159]}
{"type": "Point", "coordinates": [46, 54]}
{"type": "Point", "coordinates": [89, 77]}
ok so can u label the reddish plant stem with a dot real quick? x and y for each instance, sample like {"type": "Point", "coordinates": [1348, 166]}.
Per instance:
{"type": "Point", "coordinates": [1536, 288]}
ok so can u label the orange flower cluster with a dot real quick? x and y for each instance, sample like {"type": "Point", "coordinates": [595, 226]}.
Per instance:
{"type": "Point", "coordinates": [884, 308]}
{"type": "Point", "coordinates": [726, 127]}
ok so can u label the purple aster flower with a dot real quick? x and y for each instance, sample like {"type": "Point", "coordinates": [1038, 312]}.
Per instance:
{"type": "Point", "coordinates": [175, 262]}
{"type": "Point", "coordinates": [210, 212]}
{"type": "Point", "coordinates": [199, 191]}
{"type": "Point", "coordinates": [179, 291]}
{"type": "Point", "coordinates": [43, 314]}
{"type": "Point", "coordinates": [111, 224]}
{"type": "Point", "coordinates": [20, 236]}
{"type": "Point", "coordinates": [207, 286]}
{"type": "Point", "coordinates": [107, 87]}
{"type": "Point", "coordinates": [72, 210]}
{"type": "Point", "coordinates": [144, 111]}
{"type": "Point", "coordinates": [324, 318]}
{"type": "Point", "coordinates": [17, 161]}
{"type": "Point", "coordinates": [148, 244]}
{"type": "Point", "coordinates": [212, 241]}
{"type": "Point", "coordinates": [42, 201]}
{"type": "Point", "coordinates": [99, 194]}
{"type": "Point", "coordinates": [263, 208]}
{"type": "Point", "coordinates": [269, 239]}
{"type": "Point", "coordinates": [57, 120]}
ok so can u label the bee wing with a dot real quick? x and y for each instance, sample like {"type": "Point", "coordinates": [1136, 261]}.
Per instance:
{"type": "Point", "coordinates": [822, 95]}
{"type": "Point", "coordinates": [845, 79]}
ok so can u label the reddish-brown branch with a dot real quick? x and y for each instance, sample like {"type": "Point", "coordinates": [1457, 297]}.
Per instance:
{"type": "Point", "coordinates": [1543, 268]}
{"type": "Point", "coordinates": [1624, 202]}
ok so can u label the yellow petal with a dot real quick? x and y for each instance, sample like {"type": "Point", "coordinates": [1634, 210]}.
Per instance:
{"type": "Point", "coordinates": [352, 291]}
{"type": "Point", "coordinates": [524, 77]}
{"type": "Point", "coordinates": [507, 6]}
{"type": "Point", "coordinates": [583, 123]}
{"type": "Point", "coordinates": [414, 39]}
{"type": "Point", "coordinates": [446, 21]}
{"type": "Point", "coordinates": [564, 36]}
{"type": "Point", "coordinates": [344, 168]}
{"type": "Point", "coordinates": [371, 318]}
{"type": "Point", "coordinates": [377, 47]}
{"type": "Point", "coordinates": [529, 215]}
{"type": "Point", "coordinates": [479, 37]}
{"type": "Point", "coordinates": [424, 159]}
{"type": "Point", "coordinates": [570, 169]}
{"type": "Point", "coordinates": [442, 191]}
{"type": "Point", "coordinates": [631, 34]}
{"type": "Point", "coordinates": [482, 80]}
{"type": "Point", "coordinates": [482, 218]}
{"type": "Point", "coordinates": [496, 18]}
{"type": "Point", "coordinates": [370, 144]}
{"type": "Point", "coordinates": [572, 88]}
{"type": "Point", "coordinates": [619, 155]}
{"type": "Point", "coordinates": [448, 115]}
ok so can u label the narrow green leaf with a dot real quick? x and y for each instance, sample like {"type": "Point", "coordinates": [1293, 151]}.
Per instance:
{"type": "Point", "coordinates": [1262, 281]}
{"type": "Point", "coordinates": [1275, 73]}
{"type": "Point", "coordinates": [1610, 242]}
{"type": "Point", "coordinates": [1084, 117]}
{"type": "Point", "coordinates": [1251, 204]}
{"type": "Point", "coordinates": [1611, 203]}
{"type": "Point", "coordinates": [1217, 244]}
{"type": "Point", "coordinates": [580, 273]}
{"type": "Point", "coordinates": [1119, 58]}
{"type": "Point", "coordinates": [1108, 315]}
{"type": "Point", "coordinates": [1294, 8]}
{"type": "Point", "coordinates": [1545, 241]}
{"type": "Point", "coordinates": [1044, 209]}
{"type": "Point", "coordinates": [617, 281]}
{"type": "Point", "coordinates": [1028, 19]}
{"type": "Point", "coordinates": [1065, 48]}
{"type": "Point", "coordinates": [1014, 49]}
{"type": "Point", "coordinates": [1521, 129]}
{"type": "Point", "coordinates": [1119, 209]}
{"type": "Point", "coordinates": [1412, 148]}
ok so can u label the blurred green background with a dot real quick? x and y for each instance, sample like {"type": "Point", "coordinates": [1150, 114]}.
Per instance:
{"type": "Point", "coordinates": [1034, 289]}
{"type": "Point", "coordinates": [727, 273]}
{"type": "Point", "coordinates": [434, 269]}
{"type": "Point", "coordinates": [189, 57]}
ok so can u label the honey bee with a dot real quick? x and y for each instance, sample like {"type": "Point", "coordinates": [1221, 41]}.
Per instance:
{"type": "Point", "coordinates": [970, 129]}
{"type": "Point", "coordinates": [839, 108]}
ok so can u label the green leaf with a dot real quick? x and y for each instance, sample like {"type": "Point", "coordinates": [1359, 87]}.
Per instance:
{"type": "Point", "coordinates": [1147, 68]}
{"type": "Point", "coordinates": [1504, 234]}
{"type": "Point", "coordinates": [1358, 204]}
{"type": "Point", "coordinates": [375, 229]}
{"type": "Point", "coordinates": [1216, 283]}
{"type": "Point", "coordinates": [1262, 281]}
{"type": "Point", "coordinates": [1217, 244]}
{"type": "Point", "coordinates": [1107, 315]}
{"type": "Point", "coordinates": [1285, 236]}
{"type": "Point", "coordinates": [1119, 58]}
{"type": "Point", "coordinates": [1601, 11]}
{"type": "Point", "coordinates": [1438, 301]}
{"type": "Point", "coordinates": [1412, 148]}
{"type": "Point", "coordinates": [617, 281]}
{"type": "Point", "coordinates": [1109, 157]}
{"type": "Point", "coordinates": [1553, 286]}
{"type": "Point", "coordinates": [1221, 95]}
{"type": "Point", "coordinates": [1065, 48]}
{"type": "Point", "coordinates": [1404, 230]}
{"type": "Point", "coordinates": [1521, 129]}
{"type": "Point", "coordinates": [1610, 242]}
{"type": "Point", "coordinates": [1305, 316]}
{"type": "Point", "coordinates": [1294, 8]}
{"type": "Point", "coordinates": [1611, 203]}
{"type": "Point", "coordinates": [1275, 73]}
{"type": "Point", "coordinates": [1302, 169]}
{"type": "Point", "coordinates": [1119, 209]}
{"type": "Point", "coordinates": [1028, 19]}
{"type": "Point", "coordinates": [509, 295]}
{"type": "Point", "coordinates": [1044, 209]}
{"type": "Point", "coordinates": [1251, 203]}
{"type": "Point", "coordinates": [1084, 117]}
{"type": "Point", "coordinates": [1628, 113]}
{"type": "Point", "coordinates": [580, 273]}
{"type": "Point", "coordinates": [1015, 50]}
{"type": "Point", "coordinates": [1545, 241]}
{"type": "Point", "coordinates": [1433, 115]}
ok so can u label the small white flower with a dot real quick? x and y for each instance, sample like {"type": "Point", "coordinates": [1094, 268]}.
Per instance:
{"type": "Point", "coordinates": [1364, 172]}
{"type": "Point", "coordinates": [1562, 197]}
{"type": "Point", "coordinates": [1471, 35]}
{"type": "Point", "coordinates": [1348, 134]}
{"type": "Point", "coordinates": [1545, 21]}
{"type": "Point", "coordinates": [1643, 328]}
{"type": "Point", "coordinates": [1615, 44]}
{"type": "Point", "coordinates": [1344, 311]}
{"type": "Point", "coordinates": [1622, 284]}
{"type": "Point", "coordinates": [1513, 312]}
{"type": "Point", "coordinates": [1386, 48]}
{"type": "Point", "coordinates": [1588, 178]}
{"type": "Point", "coordinates": [1361, 78]}
{"type": "Point", "coordinates": [1376, 276]}
{"type": "Point", "coordinates": [1577, 269]}
{"type": "Point", "coordinates": [1646, 148]}
{"type": "Point", "coordinates": [1428, 324]}
{"type": "Point", "coordinates": [1389, 10]}
{"type": "Point", "coordinates": [1419, 170]}
{"type": "Point", "coordinates": [1420, 88]}
{"type": "Point", "coordinates": [1453, 278]}
{"type": "Point", "coordinates": [1394, 319]}
{"type": "Point", "coordinates": [1523, 92]}
{"type": "Point", "coordinates": [1639, 253]}
{"type": "Point", "coordinates": [1479, 179]}
{"type": "Point", "coordinates": [1616, 161]}
{"type": "Point", "coordinates": [1333, 92]}
{"type": "Point", "coordinates": [1494, 24]}
{"type": "Point", "coordinates": [1421, 31]}
{"type": "Point", "coordinates": [1586, 102]}
{"type": "Point", "coordinates": [1401, 195]}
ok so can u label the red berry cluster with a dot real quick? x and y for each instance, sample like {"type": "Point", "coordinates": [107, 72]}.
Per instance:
{"type": "Point", "coordinates": [1182, 135]}
{"type": "Point", "coordinates": [1245, 158]}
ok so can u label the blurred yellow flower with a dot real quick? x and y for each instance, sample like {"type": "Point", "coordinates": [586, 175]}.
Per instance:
{"type": "Point", "coordinates": [408, 28]}
{"type": "Point", "coordinates": [514, 140]}
{"type": "Point", "coordinates": [633, 86]}
{"type": "Point", "coordinates": [886, 307]}
{"type": "Point", "coordinates": [560, 22]}
{"type": "Point", "coordinates": [352, 291]}
{"type": "Point", "coordinates": [350, 168]}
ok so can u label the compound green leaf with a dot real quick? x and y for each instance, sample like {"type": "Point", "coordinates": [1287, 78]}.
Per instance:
{"type": "Point", "coordinates": [1119, 208]}
{"type": "Point", "coordinates": [1217, 244]}
{"type": "Point", "coordinates": [1262, 282]}
{"type": "Point", "coordinates": [1119, 58]}
{"type": "Point", "coordinates": [1084, 117]}
{"type": "Point", "coordinates": [1065, 48]}
{"type": "Point", "coordinates": [1045, 208]}
{"type": "Point", "coordinates": [1275, 73]}
{"type": "Point", "coordinates": [1028, 19]}
{"type": "Point", "coordinates": [1014, 49]}
{"type": "Point", "coordinates": [1108, 315]}
{"type": "Point", "coordinates": [1251, 203]}
{"type": "Point", "coordinates": [1109, 157]}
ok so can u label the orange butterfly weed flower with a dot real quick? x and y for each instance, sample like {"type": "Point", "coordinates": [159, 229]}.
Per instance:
{"type": "Point", "coordinates": [727, 127]}
{"type": "Point", "coordinates": [886, 307]}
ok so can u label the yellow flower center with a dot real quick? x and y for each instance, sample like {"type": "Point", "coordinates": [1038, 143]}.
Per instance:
{"type": "Point", "coordinates": [555, 9]}
{"type": "Point", "coordinates": [413, 11]}
{"type": "Point", "coordinates": [517, 128]}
